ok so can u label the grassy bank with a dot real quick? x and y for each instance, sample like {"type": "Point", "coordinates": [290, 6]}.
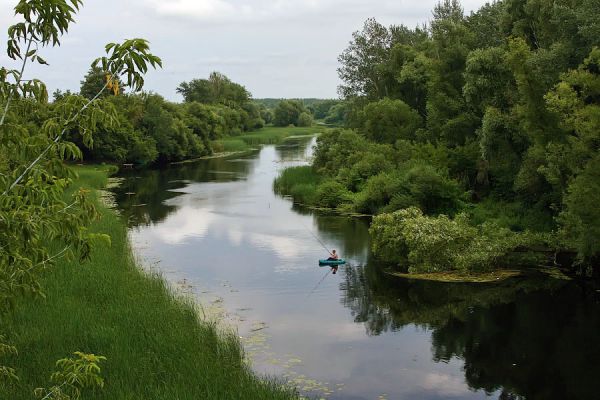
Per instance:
{"type": "Point", "coordinates": [156, 348]}
{"type": "Point", "coordinates": [267, 135]}
{"type": "Point", "coordinates": [298, 182]}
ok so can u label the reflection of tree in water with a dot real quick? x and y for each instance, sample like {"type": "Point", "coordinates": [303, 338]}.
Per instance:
{"type": "Point", "coordinates": [352, 234]}
{"type": "Point", "coordinates": [293, 149]}
{"type": "Point", "coordinates": [541, 345]}
{"type": "Point", "coordinates": [143, 195]}
{"type": "Point", "coordinates": [528, 338]}
{"type": "Point", "coordinates": [349, 234]}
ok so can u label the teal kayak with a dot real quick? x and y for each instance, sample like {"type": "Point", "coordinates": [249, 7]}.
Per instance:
{"type": "Point", "coordinates": [341, 261]}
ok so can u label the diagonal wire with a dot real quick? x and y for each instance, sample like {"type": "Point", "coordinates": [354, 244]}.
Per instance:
{"type": "Point", "coordinates": [320, 282]}
{"type": "Point", "coordinates": [316, 237]}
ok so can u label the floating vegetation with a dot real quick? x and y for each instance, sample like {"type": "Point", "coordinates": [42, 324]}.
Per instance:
{"type": "Point", "coordinates": [461, 277]}
{"type": "Point", "coordinates": [555, 273]}
{"type": "Point", "coordinates": [106, 196]}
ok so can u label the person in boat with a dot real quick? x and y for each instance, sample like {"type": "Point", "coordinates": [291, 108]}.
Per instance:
{"type": "Point", "coordinates": [334, 256]}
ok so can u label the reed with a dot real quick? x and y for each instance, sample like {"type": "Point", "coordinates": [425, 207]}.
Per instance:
{"type": "Point", "coordinates": [298, 182]}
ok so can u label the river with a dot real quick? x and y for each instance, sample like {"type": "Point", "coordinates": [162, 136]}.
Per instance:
{"type": "Point", "coordinates": [216, 230]}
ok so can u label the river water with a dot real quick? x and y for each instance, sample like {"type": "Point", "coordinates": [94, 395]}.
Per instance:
{"type": "Point", "coordinates": [216, 230]}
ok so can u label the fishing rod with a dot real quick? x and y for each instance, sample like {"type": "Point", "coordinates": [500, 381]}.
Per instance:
{"type": "Point", "coordinates": [316, 237]}
{"type": "Point", "coordinates": [320, 282]}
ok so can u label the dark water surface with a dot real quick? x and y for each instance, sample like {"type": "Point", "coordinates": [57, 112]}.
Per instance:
{"type": "Point", "coordinates": [216, 229]}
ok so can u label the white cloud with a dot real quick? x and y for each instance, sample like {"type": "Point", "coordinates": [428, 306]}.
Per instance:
{"type": "Point", "coordinates": [185, 223]}
{"type": "Point", "coordinates": [276, 48]}
{"type": "Point", "coordinates": [196, 8]}
{"type": "Point", "coordinates": [286, 248]}
{"type": "Point", "coordinates": [444, 384]}
{"type": "Point", "coordinates": [219, 11]}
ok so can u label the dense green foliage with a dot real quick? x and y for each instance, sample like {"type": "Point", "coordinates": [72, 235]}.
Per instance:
{"type": "Point", "coordinates": [330, 111]}
{"type": "Point", "coordinates": [499, 108]}
{"type": "Point", "coordinates": [368, 177]}
{"type": "Point", "coordinates": [435, 244]}
{"type": "Point", "coordinates": [154, 343]}
{"type": "Point", "coordinates": [146, 128]}
{"type": "Point", "coordinates": [291, 112]}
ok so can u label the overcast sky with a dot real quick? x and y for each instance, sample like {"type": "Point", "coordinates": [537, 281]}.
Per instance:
{"type": "Point", "coordinates": [276, 48]}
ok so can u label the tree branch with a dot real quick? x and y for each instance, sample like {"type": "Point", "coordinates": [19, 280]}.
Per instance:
{"type": "Point", "coordinates": [10, 95]}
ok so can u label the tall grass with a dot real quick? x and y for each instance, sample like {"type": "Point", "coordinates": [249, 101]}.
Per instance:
{"type": "Point", "coordinates": [298, 182]}
{"type": "Point", "coordinates": [155, 344]}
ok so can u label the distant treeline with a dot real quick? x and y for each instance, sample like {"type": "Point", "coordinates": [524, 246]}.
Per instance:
{"type": "Point", "coordinates": [149, 129]}
{"type": "Point", "coordinates": [330, 111]}
{"type": "Point", "coordinates": [473, 136]}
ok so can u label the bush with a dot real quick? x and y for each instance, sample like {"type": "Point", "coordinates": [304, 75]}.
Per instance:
{"type": "Point", "coordinates": [418, 185]}
{"type": "Point", "coordinates": [435, 244]}
{"type": "Point", "coordinates": [431, 190]}
{"type": "Point", "coordinates": [387, 121]}
{"type": "Point", "coordinates": [331, 194]}
{"type": "Point", "coordinates": [378, 192]}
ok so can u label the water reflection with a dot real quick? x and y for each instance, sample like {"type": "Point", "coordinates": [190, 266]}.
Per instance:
{"type": "Point", "coordinates": [218, 224]}
{"type": "Point", "coordinates": [526, 338]}
{"type": "Point", "coordinates": [144, 195]}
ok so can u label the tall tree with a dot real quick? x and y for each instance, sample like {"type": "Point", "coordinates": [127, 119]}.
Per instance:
{"type": "Point", "coordinates": [216, 89]}
{"type": "Point", "coordinates": [359, 69]}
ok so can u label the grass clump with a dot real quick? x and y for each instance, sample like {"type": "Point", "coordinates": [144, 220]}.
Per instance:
{"type": "Point", "coordinates": [300, 183]}
{"type": "Point", "coordinates": [229, 145]}
{"type": "Point", "coordinates": [156, 346]}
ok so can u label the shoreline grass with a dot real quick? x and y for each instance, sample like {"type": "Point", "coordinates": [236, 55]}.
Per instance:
{"type": "Point", "coordinates": [156, 345]}
{"type": "Point", "coordinates": [300, 183]}
{"type": "Point", "coordinates": [266, 135]}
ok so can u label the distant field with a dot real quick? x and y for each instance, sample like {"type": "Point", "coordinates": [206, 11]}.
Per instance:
{"type": "Point", "coordinates": [267, 135]}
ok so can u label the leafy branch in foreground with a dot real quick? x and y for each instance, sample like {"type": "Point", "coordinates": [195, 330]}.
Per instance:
{"type": "Point", "coordinates": [34, 214]}
{"type": "Point", "coordinates": [75, 374]}
{"type": "Point", "coordinates": [7, 374]}
{"type": "Point", "coordinates": [44, 22]}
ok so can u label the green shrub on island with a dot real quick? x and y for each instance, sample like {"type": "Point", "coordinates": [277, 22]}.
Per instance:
{"type": "Point", "coordinates": [435, 244]}
{"type": "Point", "coordinates": [359, 176]}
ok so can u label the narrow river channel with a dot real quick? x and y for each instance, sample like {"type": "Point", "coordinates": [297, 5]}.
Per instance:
{"type": "Point", "coordinates": [216, 230]}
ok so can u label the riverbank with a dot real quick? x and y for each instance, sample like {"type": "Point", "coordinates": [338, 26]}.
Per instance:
{"type": "Point", "coordinates": [156, 345]}
{"type": "Point", "coordinates": [267, 135]}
